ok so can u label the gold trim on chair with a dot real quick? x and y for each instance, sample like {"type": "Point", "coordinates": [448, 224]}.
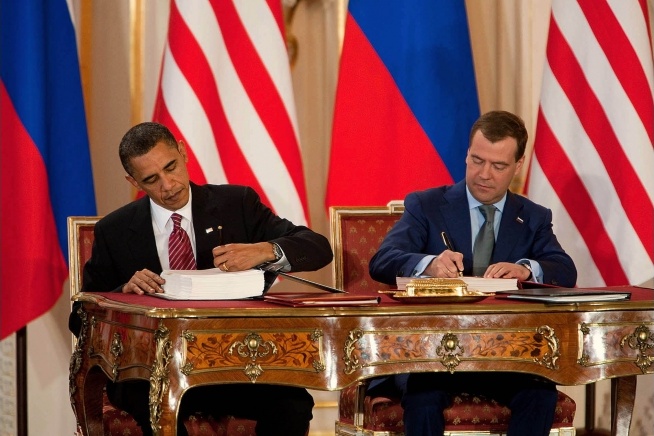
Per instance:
{"type": "Point", "coordinates": [337, 214]}
{"type": "Point", "coordinates": [79, 250]}
{"type": "Point", "coordinates": [77, 226]}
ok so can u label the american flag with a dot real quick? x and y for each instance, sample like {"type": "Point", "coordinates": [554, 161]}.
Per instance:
{"type": "Point", "coordinates": [226, 91]}
{"type": "Point", "coordinates": [593, 162]}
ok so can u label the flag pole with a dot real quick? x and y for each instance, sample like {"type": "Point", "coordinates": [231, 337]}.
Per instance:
{"type": "Point", "coordinates": [21, 382]}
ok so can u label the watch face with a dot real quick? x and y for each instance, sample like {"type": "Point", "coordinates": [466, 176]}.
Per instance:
{"type": "Point", "coordinates": [278, 252]}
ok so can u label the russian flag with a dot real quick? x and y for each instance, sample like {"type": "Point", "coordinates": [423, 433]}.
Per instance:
{"type": "Point", "coordinates": [405, 102]}
{"type": "Point", "coordinates": [45, 163]}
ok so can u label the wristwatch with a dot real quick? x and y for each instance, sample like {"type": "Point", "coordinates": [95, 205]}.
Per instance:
{"type": "Point", "coordinates": [528, 266]}
{"type": "Point", "coordinates": [277, 252]}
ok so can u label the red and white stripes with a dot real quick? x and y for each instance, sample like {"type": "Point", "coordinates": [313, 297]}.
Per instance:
{"type": "Point", "coordinates": [226, 91]}
{"type": "Point", "coordinates": [593, 162]}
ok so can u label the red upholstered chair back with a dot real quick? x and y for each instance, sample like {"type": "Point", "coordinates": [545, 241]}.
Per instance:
{"type": "Point", "coordinates": [356, 234]}
{"type": "Point", "coordinates": [80, 244]}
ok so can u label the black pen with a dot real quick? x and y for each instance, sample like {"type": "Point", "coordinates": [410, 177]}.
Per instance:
{"type": "Point", "coordinates": [449, 246]}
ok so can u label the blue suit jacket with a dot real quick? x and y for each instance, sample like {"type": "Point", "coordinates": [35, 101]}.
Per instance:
{"type": "Point", "coordinates": [525, 232]}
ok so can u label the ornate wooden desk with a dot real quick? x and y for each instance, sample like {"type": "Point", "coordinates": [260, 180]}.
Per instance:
{"type": "Point", "coordinates": [176, 346]}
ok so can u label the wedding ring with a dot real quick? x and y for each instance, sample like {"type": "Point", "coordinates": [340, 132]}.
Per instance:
{"type": "Point", "coordinates": [225, 268]}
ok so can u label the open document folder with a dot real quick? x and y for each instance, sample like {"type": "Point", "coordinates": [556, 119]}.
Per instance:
{"type": "Point", "coordinates": [321, 299]}
{"type": "Point", "coordinates": [566, 295]}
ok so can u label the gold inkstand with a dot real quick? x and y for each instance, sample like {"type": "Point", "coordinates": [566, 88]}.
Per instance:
{"type": "Point", "coordinates": [437, 290]}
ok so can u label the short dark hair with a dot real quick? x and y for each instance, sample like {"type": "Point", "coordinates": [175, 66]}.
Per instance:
{"type": "Point", "coordinates": [497, 125]}
{"type": "Point", "coordinates": [142, 138]}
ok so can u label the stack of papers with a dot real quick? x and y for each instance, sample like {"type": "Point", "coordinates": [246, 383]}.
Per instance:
{"type": "Point", "coordinates": [479, 284]}
{"type": "Point", "coordinates": [482, 284]}
{"type": "Point", "coordinates": [212, 284]}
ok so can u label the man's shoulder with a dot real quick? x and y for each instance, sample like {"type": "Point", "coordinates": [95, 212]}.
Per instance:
{"type": "Point", "coordinates": [224, 196]}
{"type": "Point", "coordinates": [125, 213]}
{"type": "Point", "coordinates": [224, 190]}
{"type": "Point", "coordinates": [433, 194]}
{"type": "Point", "coordinates": [526, 204]}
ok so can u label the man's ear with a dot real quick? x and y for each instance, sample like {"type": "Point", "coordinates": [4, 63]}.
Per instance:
{"type": "Point", "coordinates": [519, 164]}
{"type": "Point", "coordinates": [181, 147]}
{"type": "Point", "coordinates": [131, 180]}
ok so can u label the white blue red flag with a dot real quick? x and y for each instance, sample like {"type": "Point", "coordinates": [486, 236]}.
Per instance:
{"type": "Point", "coordinates": [226, 91]}
{"type": "Point", "coordinates": [593, 162]}
{"type": "Point", "coordinates": [405, 101]}
{"type": "Point", "coordinates": [46, 168]}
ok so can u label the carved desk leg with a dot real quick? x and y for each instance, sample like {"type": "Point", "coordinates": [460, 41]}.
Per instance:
{"type": "Point", "coordinates": [623, 393]}
{"type": "Point", "coordinates": [159, 384]}
{"type": "Point", "coordinates": [92, 392]}
{"type": "Point", "coordinates": [85, 385]}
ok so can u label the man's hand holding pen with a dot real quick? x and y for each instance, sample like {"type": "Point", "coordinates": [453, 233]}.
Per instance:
{"type": "Point", "coordinates": [446, 261]}
{"type": "Point", "coordinates": [448, 264]}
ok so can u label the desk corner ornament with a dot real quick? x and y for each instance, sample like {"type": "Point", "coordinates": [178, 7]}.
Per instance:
{"type": "Point", "coordinates": [76, 358]}
{"type": "Point", "coordinates": [159, 377]}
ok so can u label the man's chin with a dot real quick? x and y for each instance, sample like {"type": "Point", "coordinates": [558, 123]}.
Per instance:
{"type": "Point", "coordinates": [483, 195]}
{"type": "Point", "coordinates": [175, 203]}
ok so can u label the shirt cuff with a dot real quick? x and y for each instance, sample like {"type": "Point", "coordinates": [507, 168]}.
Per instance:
{"type": "Point", "coordinates": [422, 266]}
{"type": "Point", "coordinates": [536, 270]}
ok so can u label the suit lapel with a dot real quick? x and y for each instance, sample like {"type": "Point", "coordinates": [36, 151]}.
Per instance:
{"type": "Point", "coordinates": [205, 224]}
{"type": "Point", "coordinates": [511, 228]}
{"type": "Point", "coordinates": [141, 242]}
{"type": "Point", "coordinates": [456, 220]}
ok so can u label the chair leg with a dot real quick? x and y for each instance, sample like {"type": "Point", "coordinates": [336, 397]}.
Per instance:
{"type": "Point", "coordinates": [359, 404]}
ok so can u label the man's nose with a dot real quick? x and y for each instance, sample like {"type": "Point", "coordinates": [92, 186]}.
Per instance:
{"type": "Point", "coordinates": [167, 182]}
{"type": "Point", "coordinates": [485, 171]}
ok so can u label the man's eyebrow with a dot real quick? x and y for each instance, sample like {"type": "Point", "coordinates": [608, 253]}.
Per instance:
{"type": "Point", "coordinates": [148, 178]}
{"type": "Point", "coordinates": [152, 176]}
{"type": "Point", "coordinates": [497, 162]}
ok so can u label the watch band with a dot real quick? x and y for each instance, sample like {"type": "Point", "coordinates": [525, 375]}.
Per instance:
{"type": "Point", "coordinates": [277, 251]}
{"type": "Point", "coordinates": [528, 266]}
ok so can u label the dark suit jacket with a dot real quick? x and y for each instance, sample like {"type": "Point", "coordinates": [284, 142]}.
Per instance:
{"type": "Point", "coordinates": [124, 239]}
{"type": "Point", "coordinates": [525, 232]}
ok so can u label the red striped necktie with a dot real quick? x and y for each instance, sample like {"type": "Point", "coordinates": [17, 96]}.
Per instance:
{"type": "Point", "coordinates": [180, 252]}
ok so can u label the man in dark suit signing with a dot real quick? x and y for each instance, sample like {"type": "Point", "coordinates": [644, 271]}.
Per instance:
{"type": "Point", "coordinates": [229, 228]}
{"type": "Point", "coordinates": [519, 243]}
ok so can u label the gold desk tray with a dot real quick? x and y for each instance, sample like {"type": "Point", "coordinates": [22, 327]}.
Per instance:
{"type": "Point", "coordinates": [437, 297]}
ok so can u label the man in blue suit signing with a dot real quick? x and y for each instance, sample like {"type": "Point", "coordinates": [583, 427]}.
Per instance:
{"type": "Point", "coordinates": [492, 233]}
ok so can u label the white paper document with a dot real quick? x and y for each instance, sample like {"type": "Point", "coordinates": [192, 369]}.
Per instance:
{"type": "Point", "coordinates": [212, 284]}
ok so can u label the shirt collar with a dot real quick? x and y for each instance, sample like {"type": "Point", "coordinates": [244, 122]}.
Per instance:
{"type": "Point", "coordinates": [161, 215]}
